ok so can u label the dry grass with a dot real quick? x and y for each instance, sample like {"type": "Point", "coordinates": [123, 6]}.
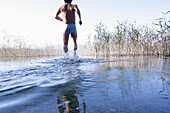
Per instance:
{"type": "Point", "coordinates": [16, 46]}
{"type": "Point", "coordinates": [129, 39]}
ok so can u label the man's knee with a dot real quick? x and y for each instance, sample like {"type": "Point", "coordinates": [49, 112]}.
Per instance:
{"type": "Point", "coordinates": [65, 38]}
{"type": "Point", "coordinates": [74, 35]}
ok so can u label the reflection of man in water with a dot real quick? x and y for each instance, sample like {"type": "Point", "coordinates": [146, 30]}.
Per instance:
{"type": "Point", "coordinates": [68, 12]}
{"type": "Point", "coordinates": [71, 102]}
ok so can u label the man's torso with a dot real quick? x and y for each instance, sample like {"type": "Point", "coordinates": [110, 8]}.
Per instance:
{"type": "Point", "coordinates": [68, 12]}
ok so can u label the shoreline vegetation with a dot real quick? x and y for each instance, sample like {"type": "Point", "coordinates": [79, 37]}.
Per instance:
{"type": "Point", "coordinates": [130, 39]}
{"type": "Point", "coordinates": [15, 46]}
{"type": "Point", "coordinates": [127, 39]}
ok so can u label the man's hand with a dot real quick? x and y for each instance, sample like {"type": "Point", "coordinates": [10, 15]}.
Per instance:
{"type": "Point", "coordinates": [58, 18]}
{"type": "Point", "coordinates": [80, 22]}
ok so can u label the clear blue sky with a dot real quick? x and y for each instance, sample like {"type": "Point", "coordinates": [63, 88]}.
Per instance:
{"type": "Point", "coordinates": [35, 18]}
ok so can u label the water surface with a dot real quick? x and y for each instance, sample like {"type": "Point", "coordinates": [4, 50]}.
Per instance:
{"type": "Point", "coordinates": [76, 85]}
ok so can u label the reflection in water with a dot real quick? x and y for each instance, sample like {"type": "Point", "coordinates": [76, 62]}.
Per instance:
{"type": "Point", "coordinates": [131, 74]}
{"type": "Point", "coordinates": [141, 82]}
{"type": "Point", "coordinates": [71, 103]}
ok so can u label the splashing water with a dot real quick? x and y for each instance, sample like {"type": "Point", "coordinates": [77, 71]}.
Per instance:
{"type": "Point", "coordinates": [72, 55]}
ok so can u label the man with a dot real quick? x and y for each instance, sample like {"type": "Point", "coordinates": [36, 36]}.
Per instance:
{"type": "Point", "coordinates": [68, 12]}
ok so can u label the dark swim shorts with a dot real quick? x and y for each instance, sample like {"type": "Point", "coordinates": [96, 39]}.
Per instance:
{"type": "Point", "coordinates": [70, 28]}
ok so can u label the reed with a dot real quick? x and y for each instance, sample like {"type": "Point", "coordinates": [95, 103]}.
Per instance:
{"type": "Point", "coordinates": [130, 39]}
{"type": "Point", "coordinates": [16, 46]}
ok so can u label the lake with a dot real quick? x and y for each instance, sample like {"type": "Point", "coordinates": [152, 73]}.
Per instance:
{"type": "Point", "coordinates": [86, 85]}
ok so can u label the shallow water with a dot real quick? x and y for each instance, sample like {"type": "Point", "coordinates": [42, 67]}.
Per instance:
{"type": "Point", "coordinates": [76, 85]}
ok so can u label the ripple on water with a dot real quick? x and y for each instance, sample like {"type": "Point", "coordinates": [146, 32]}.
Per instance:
{"type": "Point", "coordinates": [42, 74]}
{"type": "Point", "coordinates": [95, 80]}
{"type": "Point", "coordinates": [16, 82]}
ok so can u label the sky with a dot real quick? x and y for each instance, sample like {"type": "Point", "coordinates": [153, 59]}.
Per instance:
{"type": "Point", "coordinates": [35, 19]}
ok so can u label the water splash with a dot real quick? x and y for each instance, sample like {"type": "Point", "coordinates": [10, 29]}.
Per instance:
{"type": "Point", "coordinates": [72, 55]}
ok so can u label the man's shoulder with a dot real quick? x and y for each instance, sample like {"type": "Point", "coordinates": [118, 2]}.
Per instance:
{"type": "Point", "coordinates": [75, 6]}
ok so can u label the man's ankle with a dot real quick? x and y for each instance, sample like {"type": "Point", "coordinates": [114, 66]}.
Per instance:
{"type": "Point", "coordinates": [75, 47]}
{"type": "Point", "coordinates": [65, 48]}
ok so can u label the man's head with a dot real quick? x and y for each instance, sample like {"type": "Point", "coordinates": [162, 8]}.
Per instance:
{"type": "Point", "coordinates": [67, 1]}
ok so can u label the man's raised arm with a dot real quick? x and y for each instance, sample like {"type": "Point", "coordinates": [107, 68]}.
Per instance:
{"type": "Point", "coordinates": [78, 13]}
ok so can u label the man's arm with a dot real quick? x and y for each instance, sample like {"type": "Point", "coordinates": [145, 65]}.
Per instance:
{"type": "Point", "coordinates": [57, 17]}
{"type": "Point", "coordinates": [78, 13]}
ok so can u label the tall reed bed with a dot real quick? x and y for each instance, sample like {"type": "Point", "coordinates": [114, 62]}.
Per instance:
{"type": "Point", "coordinates": [131, 39]}
{"type": "Point", "coordinates": [16, 46]}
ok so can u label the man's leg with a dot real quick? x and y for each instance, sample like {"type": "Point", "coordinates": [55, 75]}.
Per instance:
{"type": "Point", "coordinates": [65, 40]}
{"type": "Point", "coordinates": [74, 36]}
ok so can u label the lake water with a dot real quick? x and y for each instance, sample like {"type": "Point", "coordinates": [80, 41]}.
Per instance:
{"type": "Point", "coordinates": [86, 85]}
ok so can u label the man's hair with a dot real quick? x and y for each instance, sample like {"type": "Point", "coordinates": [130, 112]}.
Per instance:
{"type": "Point", "coordinates": [68, 1]}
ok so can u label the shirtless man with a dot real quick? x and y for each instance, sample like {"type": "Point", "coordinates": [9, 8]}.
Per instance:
{"type": "Point", "coordinates": [68, 12]}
